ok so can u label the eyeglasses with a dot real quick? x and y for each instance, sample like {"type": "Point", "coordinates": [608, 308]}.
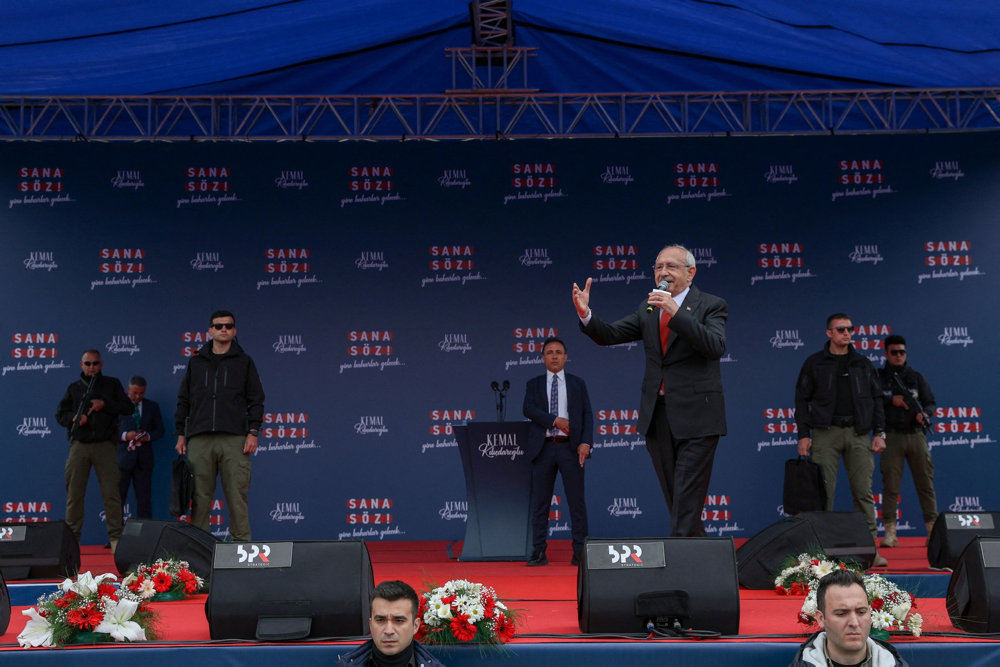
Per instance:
{"type": "Point", "coordinates": [669, 267]}
{"type": "Point", "coordinates": [898, 353]}
{"type": "Point", "coordinates": [224, 325]}
{"type": "Point", "coordinates": [91, 363]}
{"type": "Point", "coordinates": [849, 329]}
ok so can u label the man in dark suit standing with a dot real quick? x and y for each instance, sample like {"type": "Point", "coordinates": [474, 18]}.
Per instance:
{"type": "Point", "coordinates": [559, 437]}
{"type": "Point", "coordinates": [682, 411]}
{"type": "Point", "coordinates": [138, 431]}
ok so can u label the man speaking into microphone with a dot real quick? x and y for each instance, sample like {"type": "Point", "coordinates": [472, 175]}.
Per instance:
{"type": "Point", "coordinates": [682, 410]}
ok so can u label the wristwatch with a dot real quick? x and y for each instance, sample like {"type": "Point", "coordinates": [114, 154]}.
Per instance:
{"type": "Point", "coordinates": [880, 434]}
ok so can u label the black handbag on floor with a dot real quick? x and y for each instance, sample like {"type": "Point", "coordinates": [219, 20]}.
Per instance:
{"type": "Point", "coordinates": [804, 488]}
{"type": "Point", "coordinates": [182, 487]}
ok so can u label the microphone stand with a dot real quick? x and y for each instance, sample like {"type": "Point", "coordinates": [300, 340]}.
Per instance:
{"type": "Point", "coordinates": [500, 397]}
{"type": "Point", "coordinates": [502, 407]}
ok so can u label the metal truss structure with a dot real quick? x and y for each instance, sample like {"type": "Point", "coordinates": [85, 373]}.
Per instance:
{"type": "Point", "coordinates": [492, 24]}
{"type": "Point", "coordinates": [495, 114]}
{"type": "Point", "coordinates": [490, 69]}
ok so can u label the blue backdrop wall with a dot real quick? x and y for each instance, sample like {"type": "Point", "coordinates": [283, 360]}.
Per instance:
{"type": "Point", "coordinates": [382, 287]}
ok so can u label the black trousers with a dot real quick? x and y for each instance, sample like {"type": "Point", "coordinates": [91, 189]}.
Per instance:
{"type": "Point", "coordinates": [684, 469]}
{"type": "Point", "coordinates": [140, 475]}
{"type": "Point", "coordinates": [558, 457]}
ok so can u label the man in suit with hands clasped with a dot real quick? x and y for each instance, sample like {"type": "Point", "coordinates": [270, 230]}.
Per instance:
{"type": "Point", "coordinates": [559, 437]}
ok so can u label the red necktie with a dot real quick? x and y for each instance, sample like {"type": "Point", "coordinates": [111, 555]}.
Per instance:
{"type": "Point", "coordinates": [664, 335]}
{"type": "Point", "coordinates": [664, 330]}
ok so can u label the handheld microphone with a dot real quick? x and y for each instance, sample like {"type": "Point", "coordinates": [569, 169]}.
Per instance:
{"type": "Point", "coordinates": [494, 386]}
{"type": "Point", "coordinates": [663, 286]}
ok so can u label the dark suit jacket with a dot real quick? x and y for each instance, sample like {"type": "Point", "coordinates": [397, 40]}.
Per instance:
{"type": "Point", "coordinates": [536, 408]}
{"type": "Point", "coordinates": [690, 369]}
{"type": "Point", "coordinates": [151, 423]}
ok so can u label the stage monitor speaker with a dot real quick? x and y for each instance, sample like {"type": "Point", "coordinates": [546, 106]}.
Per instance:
{"type": "Point", "coordinates": [275, 591]}
{"type": "Point", "coordinates": [843, 536]}
{"type": "Point", "coordinates": [973, 598]}
{"type": "Point", "coordinates": [623, 583]}
{"type": "Point", "coordinates": [760, 559]}
{"type": "Point", "coordinates": [145, 540]}
{"type": "Point", "coordinates": [953, 531]}
{"type": "Point", "coordinates": [44, 550]}
{"type": "Point", "coordinates": [4, 606]}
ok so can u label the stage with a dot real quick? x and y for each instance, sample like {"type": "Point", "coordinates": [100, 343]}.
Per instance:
{"type": "Point", "coordinates": [550, 635]}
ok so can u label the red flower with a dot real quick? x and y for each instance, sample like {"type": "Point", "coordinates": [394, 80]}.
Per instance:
{"type": "Point", "coordinates": [66, 599]}
{"type": "Point", "coordinates": [86, 617]}
{"type": "Point", "coordinates": [504, 628]}
{"type": "Point", "coordinates": [190, 581]}
{"type": "Point", "coordinates": [107, 591]}
{"type": "Point", "coordinates": [780, 590]}
{"type": "Point", "coordinates": [489, 606]}
{"type": "Point", "coordinates": [461, 629]}
{"type": "Point", "coordinates": [449, 599]}
{"type": "Point", "coordinates": [137, 584]}
{"type": "Point", "coordinates": [877, 604]}
{"type": "Point", "coordinates": [162, 582]}
{"type": "Point", "coordinates": [806, 619]}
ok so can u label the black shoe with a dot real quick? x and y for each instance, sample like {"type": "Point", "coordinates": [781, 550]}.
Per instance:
{"type": "Point", "coordinates": [575, 560]}
{"type": "Point", "coordinates": [108, 545]}
{"type": "Point", "coordinates": [537, 558]}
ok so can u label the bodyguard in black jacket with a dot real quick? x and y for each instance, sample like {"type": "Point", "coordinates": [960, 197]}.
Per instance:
{"type": "Point", "coordinates": [816, 393]}
{"type": "Point", "coordinates": [838, 401]}
{"type": "Point", "coordinates": [89, 410]}
{"type": "Point", "coordinates": [220, 407]}
{"type": "Point", "coordinates": [220, 393]}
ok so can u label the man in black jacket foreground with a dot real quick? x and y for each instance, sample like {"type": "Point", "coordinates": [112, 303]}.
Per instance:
{"type": "Point", "coordinates": [220, 407]}
{"type": "Point", "coordinates": [394, 621]}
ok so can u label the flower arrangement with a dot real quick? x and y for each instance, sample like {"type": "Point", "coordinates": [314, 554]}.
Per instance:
{"type": "Point", "coordinates": [891, 607]}
{"type": "Point", "coordinates": [163, 580]}
{"type": "Point", "coordinates": [803, 574]}
{"type": "Point", "coordinates": [464, 612]}
{"type": "Point", "coordinates": [88, 610]}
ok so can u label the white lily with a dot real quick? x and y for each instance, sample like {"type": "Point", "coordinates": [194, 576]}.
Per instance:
{"type": "Point", "coordinates": [901, 610]}
{"type": "Point", "coordinates": [86, 584]}
{"type": "Point", "coordinates": [37, 631]}
{"type": "Point", "coordinates": [117, 623]}
{"type": "Point", "coordinates": [809, 604]}
{"type": "Point", "coordinates": [440, 609]}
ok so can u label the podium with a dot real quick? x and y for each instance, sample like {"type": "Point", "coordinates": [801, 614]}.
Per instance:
{"type": "Point", "coordinates": [498, 489]}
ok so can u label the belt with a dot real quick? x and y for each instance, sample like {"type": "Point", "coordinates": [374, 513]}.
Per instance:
{"type": "Point", "coordinates": [842, 421]}
{"type": "Point", "coordinates": [557, 438]}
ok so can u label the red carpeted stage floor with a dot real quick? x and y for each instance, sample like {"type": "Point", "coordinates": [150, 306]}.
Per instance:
{"type": "Point", "coordinates": [546, 597]}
